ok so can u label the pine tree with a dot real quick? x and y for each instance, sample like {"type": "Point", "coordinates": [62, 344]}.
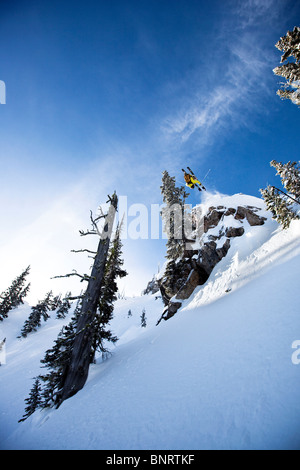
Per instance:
{"type": "Point", "coordinates": [2, 350]}
{"type": "Point", "coordinates": [47, 388]}
{"type": "Point", "coordinates": [284, 206]}
{"type": "Point", "coordinates": [279, 206]}
{"type": "Point", "coordinates": [290, 46]}
{"type": "Point", "coordinates": [173, 215]}
{"type": "Point", "coordinates": [57, 360]}
{"type": "Point", "coordinates": [55, 303]}
{"type": "Point", "coordinates": [290, 176]}
{"type": "Point", "coordinates": [64, 307]}
{"type": "Point", "coordinates": [38, 312]}
{"type": "Point", "coordinates": [33, 401]}
{"type": "Point", "coordinates": [14, 295]}
{"type": "Point", "coordinates": [143, 319]}
{"type": "Point", "coordinates": [108, 295]}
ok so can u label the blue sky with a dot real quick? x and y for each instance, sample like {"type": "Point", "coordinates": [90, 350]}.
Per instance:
{"type": "Point", "coordinates": [105, 95]}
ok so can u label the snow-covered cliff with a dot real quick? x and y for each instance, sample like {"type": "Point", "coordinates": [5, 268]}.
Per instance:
{"type": "Point", "coordinates": [217, 223]}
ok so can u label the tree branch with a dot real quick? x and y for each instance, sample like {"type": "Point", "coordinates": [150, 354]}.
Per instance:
{"type": "Point", "coordinates": [85, 277]}
{"type": "Point", "coordinates": [76, 297]}
{"type": "Point", "coordinates": [95, 230]}
{"type": "Point", "coordinates": [88, 232]}
{"type": "Point", "coordinates": [94, 224]}
{"type": "Point", "coordinates": [85, 249]}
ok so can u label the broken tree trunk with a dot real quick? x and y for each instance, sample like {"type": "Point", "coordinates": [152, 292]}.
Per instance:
{"type": "Point", "coordinates": [77, 372]}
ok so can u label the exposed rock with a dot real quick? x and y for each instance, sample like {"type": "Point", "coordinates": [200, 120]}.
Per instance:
{"type": "Point", "coordinates": [196, 272]}
{"type": "Point", "coordinates": [210, 255]}
{"type": "Point", "coordinates": [250, 213]}
{"type": "Point", "coordinates": [234, 232]}
{"type": "Point", "coordinates": [175, 276]}
{"type": "Point", "coordinates": [212, 218]}
{"type": "Point", "coordinates": [240, 213]}
{"type": "Point", "coordinates": [189, 286]}
{"type": "Point", "coordinates": [170, 311]}
{"type": "Point", "coordinates": [253, 218]}
{"type": "Point", "coordinates": [230, 211]}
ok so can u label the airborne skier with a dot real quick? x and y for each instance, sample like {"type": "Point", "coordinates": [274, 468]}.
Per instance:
{"type": "Point", "coordinates": [192, 181]}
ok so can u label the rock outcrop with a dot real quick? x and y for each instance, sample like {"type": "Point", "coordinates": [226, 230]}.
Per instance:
{"type": "Point", "coordinates": [217, 228]}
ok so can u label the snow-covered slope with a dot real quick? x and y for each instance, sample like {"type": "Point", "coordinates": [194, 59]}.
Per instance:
{"type": "Point", "coordinates": [217, 375]}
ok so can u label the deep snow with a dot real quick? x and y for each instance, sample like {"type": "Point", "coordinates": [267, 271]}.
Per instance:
{"type": "Point", "coordinates": [217, 375]}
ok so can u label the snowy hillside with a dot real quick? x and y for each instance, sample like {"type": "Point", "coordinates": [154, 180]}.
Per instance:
{"type": "Point", "coordinates": [220, 374]}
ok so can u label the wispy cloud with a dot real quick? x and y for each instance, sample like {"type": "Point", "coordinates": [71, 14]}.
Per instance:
{"type": "Point", "coordinates": [227, 103]}
{"type": "Point", "coordinates": [240, 84]}
{"type": "Point", "coordinates": [251, 12]}
{"type": "Point", "coordinates": [205, 113]}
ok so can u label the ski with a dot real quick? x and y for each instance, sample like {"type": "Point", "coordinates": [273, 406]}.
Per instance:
{"type": "Point", "coordinates": [191, 171]}
{"type": "Point", "coordinates": [193, 174]}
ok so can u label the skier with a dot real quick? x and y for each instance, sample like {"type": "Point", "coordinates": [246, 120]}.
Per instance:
{"type": "Point", "coordinates": [191, 180]}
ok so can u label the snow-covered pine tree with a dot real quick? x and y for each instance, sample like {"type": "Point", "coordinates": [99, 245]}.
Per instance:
{"type": "Point", "coordinates": [290, 176]}
{"type": "Point", "coordinates": [173, 215]}
{"type": "Point", "coordinates": [283, 205]}
{"type": "Point", "coordinates": [33, 401]}
{"type": "Point", "coordinates": [57, 360]}
{"type": "Point", "coordinates": [64, 307]}
{"type": "Point", "coordinates": [279, 206]}
{"type": "Point", "coordinates": [78, 304]}
{"type": "Point", "coordinates": [14, 295]}
{"type": "Point", "coordinates": [143, 319]}
{"type": "Point", "coordinates": [55, 303]}
{"type": "Point", "coordinates": [38, 311]}
{"type": "Point", "coordinates": [290, 46]}
{"type": "Point", "coordinates": [108, 295]}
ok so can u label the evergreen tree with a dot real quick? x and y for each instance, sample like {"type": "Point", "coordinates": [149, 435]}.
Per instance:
{"type": "Point", "coordinates": [174, 226]}
{"type": "Point", "coordinates": [57, 360]}
{"type": "Point", "coordinates": [33, 401]}
{"type": "Point", "coordinates": [290, 46]}
{"type": "Point", "coordinates": [47, 388]}
{"type": "Point", "coordinates": [173, 215]}
{"type": "Point", "coordinates": [143, 319]}
{"type": "Point", "coordinates": [284, 206]}
{"type": "Point", "coordinates": [38, 312]}
{"type": "Point", "coordinates": [108, 295]}
{"type": "Point", "coordinates": [290, 176]}
{"type": "Point", "coordinates": [14, 295]}
{"type": "Point", "coordinates": [64, 307]}
{"type": "Point", "coordinates": [55, 303]}
{"type": "Point", "coordinates": [78, 305]}
{"type": "Point", "coordinates": [2, 350]}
